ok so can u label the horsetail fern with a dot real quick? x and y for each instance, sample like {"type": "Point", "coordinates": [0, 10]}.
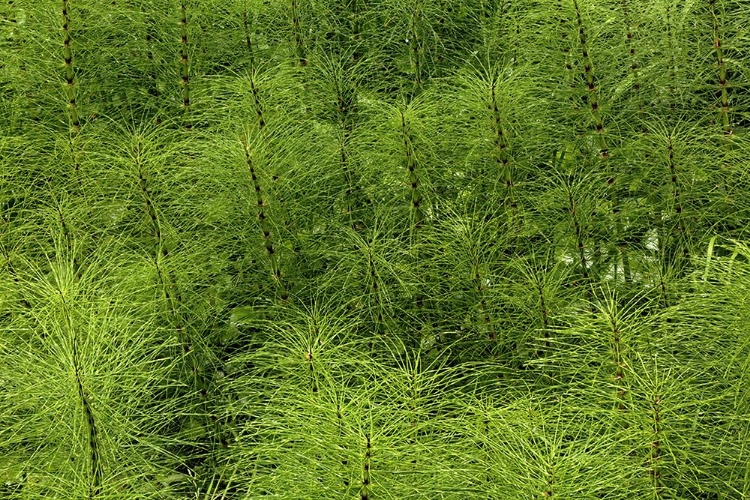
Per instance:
{"type": "Point", "coordinates": [273, 258]}
{"type": "Point", "coordinates": [386, 262]}
{"type": "Point", "coordinates": [185, 64]}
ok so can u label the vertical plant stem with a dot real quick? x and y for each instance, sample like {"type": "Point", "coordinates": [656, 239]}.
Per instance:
{"type": "Point", "coordinates": [265, 227]}
{"type": "Point", "coordinates": [617, 355]}
{"type": "Point", "coordinates": [629, 39]}
{"type": "Point", "coordinates": [676, 199]}
{"type": "Point", "coordinates": [573, 208]}
{"type": "Point", "coordinates": [95, 469]}
{"type": "Point", "coordinates": [357, 9]}
{"type": "Point", "coordinates": [95, 466]}
{"type": "Point", "coordinates": [75, 123]}
{"type": "Point", "coordinates": [375, 289]}
{"type": "Point", "coordinates": [481, 291]}
{"type": "Point", "coordinates": [345, 102]}
{"type": "Point", "coordinates": [550, 473]}
{"type": "Point", "coordinates": [672, 62]}
{"type": "Point", "coordinates": [415, 44]}
{"type": "Point", "coordinates": [297, 30]}
{"type": "Point", "coordinates": [365, 491]}
{"type": "Point", "coordinates": [161, 253]}
{"type": "Point", "coordinates": [722, 71]}
{"type": "Point", "coordinates": [566, 46]}
{"type": "Point", "coordinates": [150, 32]}
{"type": "Point", "coordinates": [502, 158]}
{"type": "Point", "coordinates": [544, 310]}
{"type": "Point", "coordinates": [69, 241]}
{"type": "Point", "coordinates": [185, 64]}
{"type": "Point", "coordinates": [248, 39]}
{"type": "Point", "coordinates": [655, 456]}
{"type": "Point", "coordinates": [603, 150]}
{"type": "Point", "coordinates": [311, 370]}
{"type": "Point", "coordinates": [417, 215]}
{"type": "Point", "coordinates": [661, 252]}
{"type": "Point", "coordinates": [259, 110]}
{"type": "Point", "coordinates": [70, 88]}
{"type": "Point", "coordinates": [723, 92]}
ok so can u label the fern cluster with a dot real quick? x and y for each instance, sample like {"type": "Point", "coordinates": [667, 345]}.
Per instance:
{"type": "Point", "coordinates": [374, 249]}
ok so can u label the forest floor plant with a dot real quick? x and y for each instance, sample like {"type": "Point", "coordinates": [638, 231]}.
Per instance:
{"type": "Point", "coordinates": [370, 249]}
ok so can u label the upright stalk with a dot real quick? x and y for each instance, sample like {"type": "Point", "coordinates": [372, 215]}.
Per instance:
{"type": "Point", "coordinates": [722, 71]}
{"type": "Point", "coordinates": [674, 182]}
{"type": "Point", "coordinates": [629, 38]}
{"type": "Point", "coordinates": [70, 89]}
{"type": "Point", "coordinates": [417, 215]}
{"type": "Point", "coordinates": [618, 358]}
{"type": "Point", "coordinates": [75, 122]}
{"type": "Point", "coordinates": [573, 208]}
{"type": "Point", "coordinates": [415, 44]}
{"type": "Point", "coordinates": [481, 290]}
{"type": "Point", "coordinates": [299, 46]}
{"type": "Point", "coordinates": [566, 46]}
{"type": "Point", "coordinates": [358, 6]}
{"type": "Point", "coordinates": [248, 39]}
{"type": "Point", "coordinates": [655, 456]}
{"type": "Point", "coordinates": [603, 150]}
{"type": "Point", "coordinates": [185, 64]}
{"type": "Point", "coordinates": [161, 253]}
{"type": "Point", "coordinates": [273, 258]}
{"type": "Point", "coordinates": [259, 113]}
{"type": "Point", "coordinates": [365, 491]}
{"type": "Point", "coordinates": [502, 159]}
{"type": "Point", "coordinates": [723, 92]}
{"type": "Point", "coordinates": [374, 288]}
{"type": "Point", "coordinates": [151, 31]}
{"type": "Point", "coordinates": [95, 469]}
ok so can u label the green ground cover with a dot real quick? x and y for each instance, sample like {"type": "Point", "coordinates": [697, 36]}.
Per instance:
{"type": "Point", "coordinates": [374, 249]}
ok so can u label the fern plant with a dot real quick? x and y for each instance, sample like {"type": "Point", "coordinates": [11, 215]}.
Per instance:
{"type": "Point", "coordinates": [373, 249]}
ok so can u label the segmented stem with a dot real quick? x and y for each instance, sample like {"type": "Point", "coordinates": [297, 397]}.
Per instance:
{"type": "Point", "coordinates": [629, 38]}
{"type": "Point", "coordinates": [723, 89]}
{"type": "Point", "coordinates": [75, 122]}
{"type": "Point", "coordinates": [153, 89]}
{"type": "Point", "coordinates": [258, 109]}
{"type": "Point", "coordinates": [161, 252]}
{"type": "Point", "coordinates": [248, 39]}
{"type": "Point", "coordinates": [185, 64]}
{"type": "Point", "coordinates": [356, 22]}
{"type": "Point", "coordinates": [375, 288]}
{"type": "Point", "coordinates": [297, 29]}
{"type": "Point", "coordinates": [415, 44]}
{"type": "Point", "coordinates": [365, 491]}
{"type": "Point", "coordinates": [618, 359]}
{"type": "Point", "coordinates": [411, 165]}
{"type": "Point", "coordinates": [501, 147]}
{"type": "Point", "coordinates": [566, 46]}
{"type": "Point", "coordinates": [265, 227]}
{"type": "Point", "coordinates": [603, 148]}
{"type": "Point", "coordinates": [483, 306]}
{"type": "Point", "coordinates": [95, 466]}
{"type": "Point", "coordinates": [655, 470]}
{"type": "Point", "coordinates": [572, 206]}
{"type": "Point", "coordinates": [96, 472]}
{"type": "Point", "coordinates": [722, 70]}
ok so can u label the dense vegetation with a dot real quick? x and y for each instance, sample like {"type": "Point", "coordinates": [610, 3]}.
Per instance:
{"type": "Point", "coordinates": [374, 249]}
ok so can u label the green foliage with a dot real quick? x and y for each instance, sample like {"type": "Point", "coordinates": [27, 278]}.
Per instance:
{"type": "Point", "coordinates": [374, 249]}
